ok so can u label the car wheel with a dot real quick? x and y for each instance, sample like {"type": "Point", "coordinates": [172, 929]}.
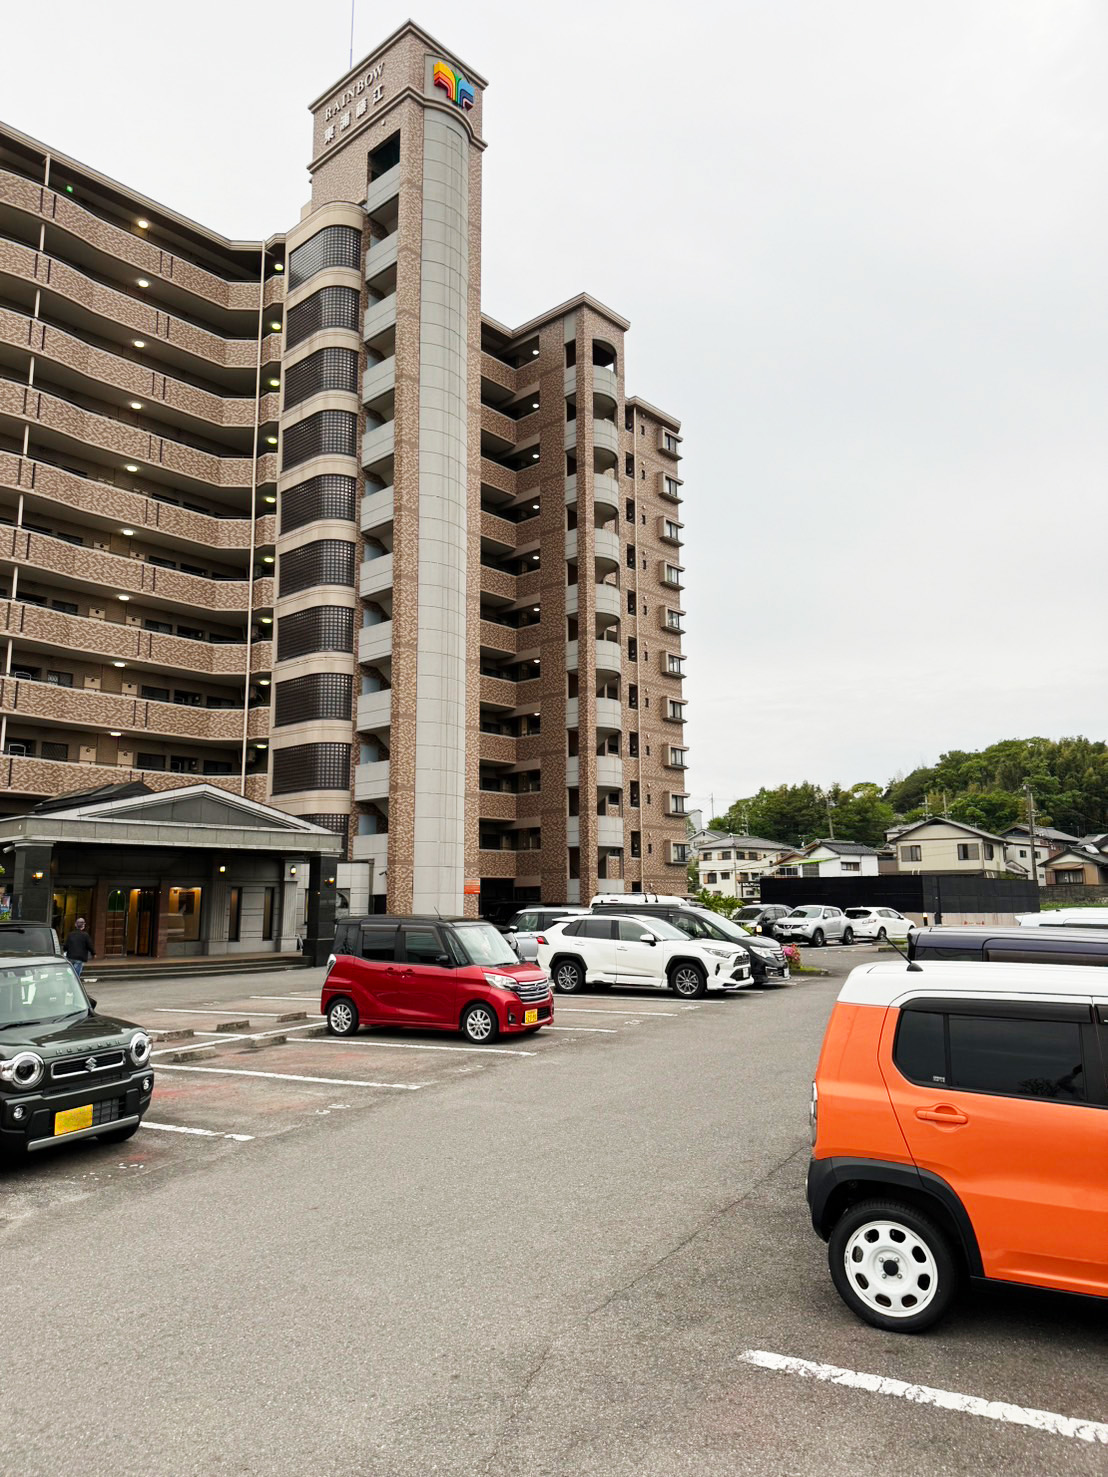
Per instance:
{"type": "Point", "coordinates": [892, 1266]}
{"type": "Point", "coordinates": [569, 977]}
{"type": "Point", "coordinates": [881, 935]}
{"type": "Point", "coordinates": [848, 935]}
{"type": "Point", "coordinates": [342, 1017]}
{"type": "Point", "coordinates": [479, 1023]}
{"type": "Point", "coordinates": [688, 980]}
{"type": "Point", "coordinates": [818, 939]}
{"type": "Point", "coordinates": [119, 1135]}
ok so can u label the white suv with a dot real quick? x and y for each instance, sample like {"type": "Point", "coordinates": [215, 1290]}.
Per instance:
{"type": "Point", "coordinates": [815, 925]}
{"type": "Point", "coordinates": [603, 949]}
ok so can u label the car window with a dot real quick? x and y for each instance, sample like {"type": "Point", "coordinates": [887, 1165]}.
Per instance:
{"type": "Point", "coordinates": [595, 928]}
{"type": "Point", "coordinates": [422, 946]}
{"type": "Point", "coordinates": [525, 922]}
{"type": "Point", "coordinates": [27, 939]}
{"type": "Point", "coordinates": [631, 931]}
{"type": "Point", "coordinates": [378, 943]}
{"type": "Point", "coordinates": [858, 912]}
{"type": "Point", "coordinates": [1048, 952]}
{"type": "Point", "coordinates": [920, 1048]}
{"type": "Point", "coordinates": [31, 993]}
{"type": "Point", "coordinates": [571, 928]}
{"type": "Point", "coordinates": [1017, 1058]}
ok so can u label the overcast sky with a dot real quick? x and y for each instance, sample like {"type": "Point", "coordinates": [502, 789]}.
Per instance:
{"type": "Point", "coordinates": [862, 246]}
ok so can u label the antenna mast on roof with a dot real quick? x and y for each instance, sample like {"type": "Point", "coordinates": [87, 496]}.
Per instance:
{"type": "Point", "coordinates": [351, 61]}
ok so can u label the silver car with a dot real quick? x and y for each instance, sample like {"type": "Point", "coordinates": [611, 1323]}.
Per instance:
{"type": "Point", "coordinates": [815, 925]}
{"type": "Point", "coordinates": [523, 928]}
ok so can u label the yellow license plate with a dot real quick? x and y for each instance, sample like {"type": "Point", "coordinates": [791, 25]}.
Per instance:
{"type": "Point", "coordinates": [73, 1119]}
{"type": "Point", "coordinates": [530, 1017]}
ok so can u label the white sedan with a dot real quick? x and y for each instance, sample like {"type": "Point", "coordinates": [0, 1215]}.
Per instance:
{"type": "Point", "coordinates": [879, 923]}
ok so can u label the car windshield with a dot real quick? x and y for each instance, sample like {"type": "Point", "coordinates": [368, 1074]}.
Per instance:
{"type": "Point", "coordinates": [663, 929]}
{"type": "Point", "coordinates": [858, 912]}
{"type": "Point", "coordinates": [27, 939]}
{"type": "Point", "coordinates": [805, 912]}
{"type": "Point", "coordinates": [723, 928]}
{"type": "Point", "coordinates": [484, 944]}
{"type": "Point", "coordinates": [33, 993]}
{"type": "Point", "coordinates": [754, 913]}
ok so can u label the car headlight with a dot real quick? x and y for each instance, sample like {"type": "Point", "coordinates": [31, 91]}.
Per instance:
{"type": "Point", "coordinates": [501, 981]}
{"type": "Point", "coordinates": [140, 1048]}
{"type": "Point", "coordinates": [723, 953]}
{"type": "Point", "coordinates": [25, 1070]}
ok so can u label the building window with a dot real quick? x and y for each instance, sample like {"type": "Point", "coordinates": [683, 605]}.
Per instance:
{"type": "Point", "coordinates": [711, 878]}
{"type": "Point", "coordinates": [988, 851]}
{"type": "Point", "coordinates": [184, 914]}
{"type": "Point", "coordinates": [969, 851]}
{"type": "Point", "coordinates": [327, 433]}
{"type": "Point", "coordinates": [629, 511]}
{"type": "Point", "coordinates": [673, 531]}
{"type": "Point", "coordinates": [149, 761]}
{"type": "Point", "coordinates": [315, 697]}
{"type": "Point", "coordinates": [334, 246]}
{"type": "Point", "coordinates": [632, 649]}
{"type": "Point", "coordinates": [326, 369]}
{"type": "Point", "coordinates": [269, 897]}
{"type": "Point", "coordinates": [60, 679]}
{"type": "Point", "coordinates": [672, 487]}
{"type": "Point", "coordinates": [633, 795]}
{"type": "Point", "coordinates": [311, 767]}
{"type": "Point", "coordinates": [328, 561]}
{"type": "Point", "coordinates": [331, 307]}
{"type": "Point", "coordinates": [234, 916]}
{"type": "Point", "coordinates": [339, 824]}
{"type": "Point", "coordinates": [632, 695]}
{"type": "Point", "coordinates": [56, 751]}
{"type": "Point", "coordinates": [672, 575]}
{"type": "Point", "coordinates": [636, 844]}
{"type": "Point", "coordinates": [630, 602]}
{"type": "Point", "coordinates": [329, 496]}
{"type": "Point", "coordinates": [630, 556]}
{"type": "Point", "coordinates": [673, 621]}
{"type": "Point", "coordinates": [669, 442]}
{"type": "Point", "coordinates": [677, 758]}
{"type": "Point", "coordinates": [851, 866]}
{"type": "Point", "coordinates": [323, 628]}
{"type": "Point", "coordinates": [633, 745]}
{"type": "Point", "coordinates": [911, 853]}
{"type": "Point", "coordinates": [677, 711]}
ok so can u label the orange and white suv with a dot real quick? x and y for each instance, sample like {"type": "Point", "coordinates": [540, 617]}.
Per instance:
{"type": "Point", "coordinates": [960, 1126]}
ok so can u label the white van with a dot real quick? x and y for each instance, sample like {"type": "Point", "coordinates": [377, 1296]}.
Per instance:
{"type": "Point", "coordinates": [1065, 918]}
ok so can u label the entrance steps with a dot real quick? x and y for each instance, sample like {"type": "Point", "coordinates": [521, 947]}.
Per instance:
{"type": "Point", "coordinates": [197, 967]}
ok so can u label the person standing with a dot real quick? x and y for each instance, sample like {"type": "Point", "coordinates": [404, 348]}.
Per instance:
{"type": "Point", "coordinates": [78, 947]}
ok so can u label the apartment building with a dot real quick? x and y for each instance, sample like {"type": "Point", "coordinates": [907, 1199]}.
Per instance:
{"type": "Point", "coordinates": [293, 517]}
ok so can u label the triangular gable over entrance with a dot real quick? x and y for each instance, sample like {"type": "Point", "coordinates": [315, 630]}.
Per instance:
{"type": "Point", "coordinates": [191, 805]}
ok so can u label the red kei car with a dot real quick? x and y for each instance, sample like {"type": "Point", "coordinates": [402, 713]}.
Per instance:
{"type": "Point", "coordinates": [440, 974]}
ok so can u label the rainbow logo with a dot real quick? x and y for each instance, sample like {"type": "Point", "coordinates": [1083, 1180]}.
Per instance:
{"type": "Point", "coordinates": [457, 89]}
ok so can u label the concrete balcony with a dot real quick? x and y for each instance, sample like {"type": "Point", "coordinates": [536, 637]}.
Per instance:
{"type": "Point", "coordinates": [571, 490]}
{"type": "Point", "coordinates": [88, 708]}
{"type": "Point", "coordinates": [47, 777]}
{"type": "Point", "coordinates": [605, 381]}
{"type": "Point", "coordinates": [607, 547]}
{"type": "Point", "coordinates": [609, 656]}
{"type": "Point", "coordinates": [381, 256]}
{"type": "Point", "coordinates": [374, 710]}
{"type": "Point", "coordinates": [572, 599]}
{"type": "Point", "coordinates": [569, 381]}
{"type": "Point", "coordinates": [371, 781]}
{"type": "Point", "coordinates": [378, 444]}
{"type": "Point", "coordinates": [605, 436]}
{"type": "Point", "coordinates": [570, 437]}
{"type": "Point", "coordinates": [609, 715]}
{"type": "Point", "coordinates": [571, 656]}
{"type": "Point", "coordinates": [498, 692]}
{"type": "Point", "coordinates": [572, 712]}
{"type": "Point", "coordinates": [573, 830]}
{"type": "Point", "coordinates": [500, 531]}
{"type": "Point", "coordinates": [375, 576]}
{"type": "Point", "coordinates": [605, 492]}
{"type": "Point", "coordinates": [609, 830]}
{"type": "Point", "coordinates": [382, 189]}
{"type": "Point", "coordinates": [571, 543]}
{"type": "Point", "coordinates": [609, 772]}
{"type": "Point", "coordinates": [573, 771]}
{"type": "Point", "coordinates": [499, 638]}
{"type": "Point", "coordinates": [378, 380]}
{"type": "Point", "coordinates": [609, 601]}
{"type": "Point", "coordinates": [379, 317]}
{"type": "Point", "coordinates": [375, 642]}
{"type": "Point", "coordinates": [377, 510]}
{"type": "Point", "coordinates": [498, 748]}
{"type": "Point", "coordinates": [496, 805]}
{"type": "Point", "coordinates": [374, 848]}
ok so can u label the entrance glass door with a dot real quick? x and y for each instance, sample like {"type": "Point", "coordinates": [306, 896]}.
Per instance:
{"type": "Point", "coordinates": [142, 916]}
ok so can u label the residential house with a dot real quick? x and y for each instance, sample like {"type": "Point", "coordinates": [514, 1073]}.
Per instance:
{"type": "Point", "coordinates": [1048, 841]}
{"type": "Point", "coordinates": [1084, 864]}
{"type": "Point", "coordinates": [830, 858]}
{"type": "Point", "coordinates": [731, 866]}
{"type": "Point", "coordinates": [941, 845]}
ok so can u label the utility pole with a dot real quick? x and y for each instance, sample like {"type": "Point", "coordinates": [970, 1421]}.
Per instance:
{"type": "Point", "coordinates": [1031, 832]}
{"type": "Point", "coordinates": [830, 820]}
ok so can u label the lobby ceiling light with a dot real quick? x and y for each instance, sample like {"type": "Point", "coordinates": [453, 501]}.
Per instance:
{"type": "Point", "coordinates": [143, 281]}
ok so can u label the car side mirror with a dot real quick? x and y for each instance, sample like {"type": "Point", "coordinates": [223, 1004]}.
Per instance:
{"type": "Point", "coordinates": [647, 938]}
{"type": "Point", "coordinates": [91, 1003]}
{"type": "Point", "coordinates": [443, 960]}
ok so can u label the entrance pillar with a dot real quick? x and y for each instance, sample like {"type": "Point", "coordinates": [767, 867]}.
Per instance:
{"type": "Point", "coordinates": [321, 909]}
{"type": "Point", "coordinates": [32, 884]}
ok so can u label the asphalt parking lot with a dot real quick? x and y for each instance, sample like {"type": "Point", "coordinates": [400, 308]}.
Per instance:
{"type": "Point", "coordinates": [585, 1252]}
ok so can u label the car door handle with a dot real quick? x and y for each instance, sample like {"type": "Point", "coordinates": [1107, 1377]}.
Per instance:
{"type": "Point", "coordinates": [394, 970]}
{"type": "Point", "coordinates": [942, 1113]}
{"type": "Point", "coordinates": [621, 948]}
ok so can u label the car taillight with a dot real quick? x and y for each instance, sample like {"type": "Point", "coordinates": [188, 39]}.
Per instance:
{"type": "Point", "coordinates": [540, 938]}
{"type": "Point", "coordinates": [813, 1114]}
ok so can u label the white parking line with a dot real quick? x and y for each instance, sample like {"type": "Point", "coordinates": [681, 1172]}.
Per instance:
{"type": "Point", "coordinates": [292, 1077]}
{"type": "Point", "coordinates": [220, 1038]}
{"type": "Point", "coordinates": [583, 1010]}
{"type": "Point", "coordinates": [993, 1410]}
{"type": "Point", "coordinates": [591, 1030]}
{"type": "Point", "coordinates": [284, 997]}
{"type": "Point", "coordinates": [412, 1045]}
{"type": "Point", "coordinates": [206, 1133]}
{"type": "Point", "coordinates": [195, 1010]}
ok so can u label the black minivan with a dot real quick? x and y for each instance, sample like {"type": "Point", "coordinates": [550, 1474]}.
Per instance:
{"type": "Point", "coordinates": [1010, 945]}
